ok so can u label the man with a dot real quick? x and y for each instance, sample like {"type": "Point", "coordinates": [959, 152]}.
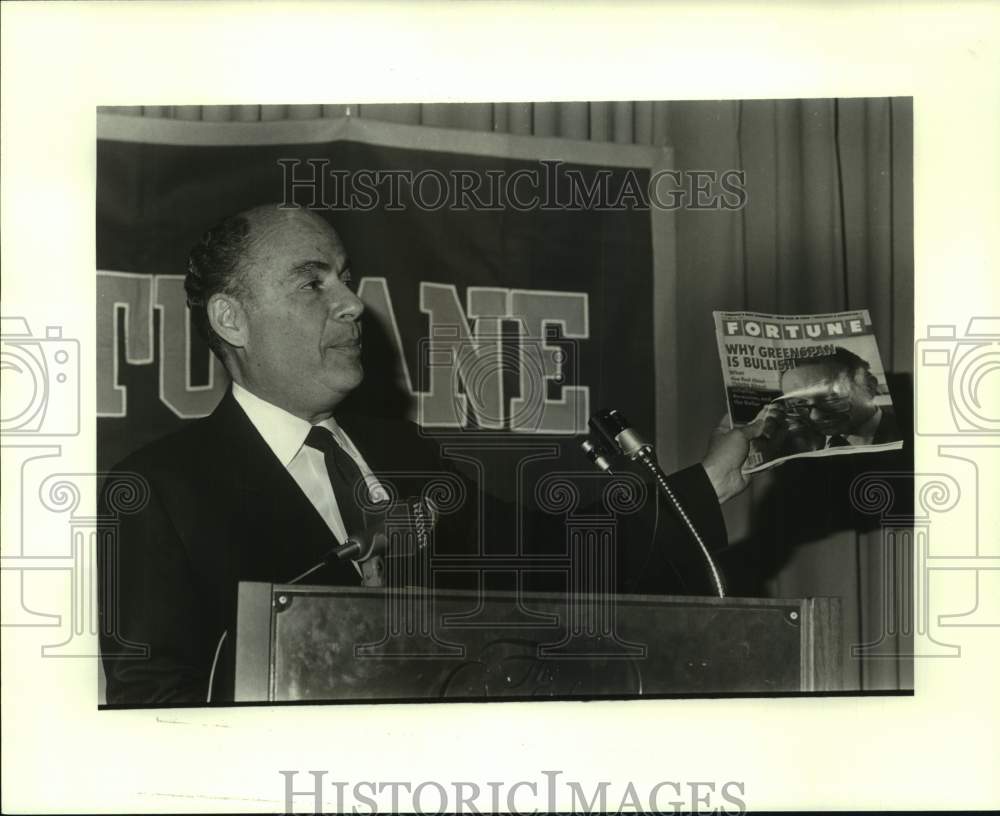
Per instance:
{"type": "Point", "coordinates": [831, 399]}
{"type": "Point", "coordinates": [265, 486]}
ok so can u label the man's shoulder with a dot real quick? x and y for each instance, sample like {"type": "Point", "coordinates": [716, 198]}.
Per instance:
{"type": "Point", "coordinates": [390, 441]}
{"type": "Point", "coordinates": [888, 428]}
{"type": "Point", "coordinates": [180, 469]}
{"type": "Point", "coordinates": [192, 450]}
{"type": "Point", "coordinates": [185, 447]}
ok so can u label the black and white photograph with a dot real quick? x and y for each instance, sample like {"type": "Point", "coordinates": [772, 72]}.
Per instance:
{"type": "Point", "coordinates": [404, 402]}
{"type": "Point", "coordinates": [499, 407]}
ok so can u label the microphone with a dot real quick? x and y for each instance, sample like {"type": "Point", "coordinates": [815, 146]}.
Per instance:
{"type": "Point", "coordinates": [596, 454]}
{"type": "Point", "coordinates": [411, 514]}
{"type": "Point", "coordinates": [611, 426]}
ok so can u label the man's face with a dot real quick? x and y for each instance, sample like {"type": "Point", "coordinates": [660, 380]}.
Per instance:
{"type": "Point", "coordinates": [303, 335]}
{"type": "Point", "coordinates": [828, 398]}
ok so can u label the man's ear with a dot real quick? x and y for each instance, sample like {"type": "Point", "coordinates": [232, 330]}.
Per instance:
{"type": "Point", "coordinates": [227, 318]}
{"type": "Point", "coordinates": [866, 380]}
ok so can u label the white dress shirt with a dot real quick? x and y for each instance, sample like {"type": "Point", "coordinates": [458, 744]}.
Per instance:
{"type": "Point", "coordinates": [286, 434]}
{"type": "Point", "coordinates": [865, 434]}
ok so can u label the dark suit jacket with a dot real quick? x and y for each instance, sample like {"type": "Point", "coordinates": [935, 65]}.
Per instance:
{"type": "Point", "coordinates": [888, 427]}
{"type": "Point", "coordinates": [222, 509]}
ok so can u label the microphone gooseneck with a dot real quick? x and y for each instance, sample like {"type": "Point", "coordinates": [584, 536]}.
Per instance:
{"type": "Point", "coordinates": [611, 426]}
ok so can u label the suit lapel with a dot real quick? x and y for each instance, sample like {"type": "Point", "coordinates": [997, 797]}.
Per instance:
{"type": "Point", "coordinates": [277, 534]}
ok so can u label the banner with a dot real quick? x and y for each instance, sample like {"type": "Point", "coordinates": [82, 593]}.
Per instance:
{"type": "Point", "coordinates": [509, 282]}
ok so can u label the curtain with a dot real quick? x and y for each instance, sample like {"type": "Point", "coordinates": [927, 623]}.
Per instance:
{"type": "Point", "coordinates": [642, 123]}
{"type": "Point", "coordinates": [827, 226]}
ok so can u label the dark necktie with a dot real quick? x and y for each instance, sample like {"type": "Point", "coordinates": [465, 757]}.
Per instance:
{"type": "Point", "coordinates": [837, 441]}
{"type": "Point", "coordinates": [345, 477]}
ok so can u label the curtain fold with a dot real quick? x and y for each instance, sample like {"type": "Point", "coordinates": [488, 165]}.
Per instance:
{"type": "Point", "coordinates": [642, 122]}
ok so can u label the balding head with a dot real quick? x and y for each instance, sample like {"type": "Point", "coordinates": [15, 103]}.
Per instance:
{"type": "Point", "coordinates": [271, 290]}
{"type": "Point", "coordinates": [220, 261]}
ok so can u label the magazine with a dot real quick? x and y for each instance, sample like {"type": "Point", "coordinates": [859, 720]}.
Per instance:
{"type": "Point", "coordinates": [815, 381]}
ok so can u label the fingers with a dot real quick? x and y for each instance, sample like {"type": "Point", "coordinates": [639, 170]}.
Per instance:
{"type": "Point", "coordinates": [771, 410]}
{"type": "Point", "coordinates": [771, 421]}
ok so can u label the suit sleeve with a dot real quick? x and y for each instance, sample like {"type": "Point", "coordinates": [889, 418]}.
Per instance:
{"type": "Point", "coordinates": [696, 495]}
{"type": "Point", "coordinates": [150, 646]}
{"type": "Point", "coordinates": [654, 551]}
{"type": "Point", "coordinates": [658, 554]}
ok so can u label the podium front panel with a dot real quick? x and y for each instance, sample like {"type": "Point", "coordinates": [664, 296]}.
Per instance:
{"type": "Point", "coordinates": [344, 644]}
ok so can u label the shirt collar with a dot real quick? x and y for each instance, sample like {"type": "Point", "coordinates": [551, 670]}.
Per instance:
{"type": "Point", "coordinates": [283, 432]}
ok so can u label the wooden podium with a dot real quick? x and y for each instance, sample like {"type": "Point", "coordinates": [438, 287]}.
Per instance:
{"type": "Point", "coordinates": [366, 645]}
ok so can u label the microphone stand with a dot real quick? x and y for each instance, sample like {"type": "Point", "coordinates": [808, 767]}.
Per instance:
{"type": "Point", "coordinates": [649, 460]}
{"type": "Point", "coordinates": [613, 427]}
{"type": "Point", "coordinates": [365, 548]}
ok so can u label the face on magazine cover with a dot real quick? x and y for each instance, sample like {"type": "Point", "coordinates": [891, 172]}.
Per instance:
{"type": "Point", "coordinates": [829, 398]}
